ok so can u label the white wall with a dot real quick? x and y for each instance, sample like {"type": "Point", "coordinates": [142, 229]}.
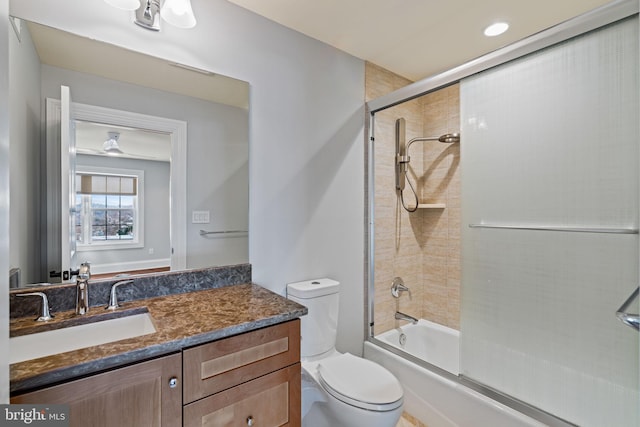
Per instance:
{"type": "Point", "coordinates": [307, 141]}
{"type": "Point", "coordinates": [24, 97]}
{"type": "Point", "coordinates": [4, 201]}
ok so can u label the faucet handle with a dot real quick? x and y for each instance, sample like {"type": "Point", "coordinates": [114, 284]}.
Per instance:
{"type": "Point", "coordinates": [84, 272]}
{"type": "Point", "coordinates": [398, 286]}
{"type": "Point", "coordinates": [113, 298]}
{"type": "Point", "coordinates": [45, 314]}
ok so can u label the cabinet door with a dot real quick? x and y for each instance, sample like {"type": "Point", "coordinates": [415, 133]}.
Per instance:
{"type": "Point", "coordinates": [269, 401]}
{"type": "Point", "coordinates": [139, 395]}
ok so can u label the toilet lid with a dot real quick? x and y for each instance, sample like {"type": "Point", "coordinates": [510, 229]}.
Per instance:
{"type": "Point", "coordinates": [360, 382]}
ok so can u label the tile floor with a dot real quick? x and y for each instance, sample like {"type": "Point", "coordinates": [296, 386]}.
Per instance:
{"type": "Point", "coordinates": [408, 421]}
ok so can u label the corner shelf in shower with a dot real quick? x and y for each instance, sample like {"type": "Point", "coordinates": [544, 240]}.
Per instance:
{"type": "Point", "coordinates": [431, 206]}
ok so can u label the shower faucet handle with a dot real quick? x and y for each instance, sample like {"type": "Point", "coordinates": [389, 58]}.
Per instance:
{"type": "Point", "coordinates": [398, 286]}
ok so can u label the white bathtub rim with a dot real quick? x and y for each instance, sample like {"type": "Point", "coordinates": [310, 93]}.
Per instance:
{"type": "Point", "coordinates": [424, 322]}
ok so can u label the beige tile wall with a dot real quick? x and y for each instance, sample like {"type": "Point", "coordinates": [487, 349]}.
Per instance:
{"type": "Point", "coordinates": [440, 183]}
{"type": "Point", "coordinates": [421, 247]}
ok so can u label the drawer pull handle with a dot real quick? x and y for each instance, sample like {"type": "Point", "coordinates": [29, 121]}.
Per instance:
{"type": "Point", "coordinates": [249, 420]}
{"type": "Point", "coordinates": [173, 382]}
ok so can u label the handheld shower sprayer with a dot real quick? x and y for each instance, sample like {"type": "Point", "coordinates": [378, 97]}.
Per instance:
{"type": "Point", "coordinates": [403, 158]}
{"type": "Point", "coordinates": [401, 154]}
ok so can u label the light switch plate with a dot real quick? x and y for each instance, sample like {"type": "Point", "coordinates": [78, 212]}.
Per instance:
{"type": "Point", "coordinates": [200, 217]}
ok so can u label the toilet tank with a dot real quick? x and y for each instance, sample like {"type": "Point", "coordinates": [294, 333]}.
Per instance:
{"type": "Point", "coordinates": [319, 327]}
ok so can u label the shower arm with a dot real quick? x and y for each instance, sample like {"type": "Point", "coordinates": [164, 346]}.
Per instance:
{"type": "Point", "coordinates": [421, 139]}
{"type": "Point", "coordinates": [402, 147]}
{"type": "Point", "coordinates": [447, 138]}
{"type": "Point", "coordinates": [405, 158]}
{"type": "Point", "coordinates": [402, 155]}
{"type": "Point", "coordinates": [402, 158]}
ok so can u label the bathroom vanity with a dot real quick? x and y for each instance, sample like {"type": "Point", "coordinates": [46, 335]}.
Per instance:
{"type": "Point", "coordinates": [230, 354]}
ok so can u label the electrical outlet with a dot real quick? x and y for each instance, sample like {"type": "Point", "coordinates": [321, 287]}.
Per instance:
{"type": "Point", "coordinates": [200, 217]}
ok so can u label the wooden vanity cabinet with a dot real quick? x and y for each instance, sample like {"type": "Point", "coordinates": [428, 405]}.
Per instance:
{"type": "Point", "coordinates": [145, 394]}
{"type": "Point", "coordinates": [251, 379]}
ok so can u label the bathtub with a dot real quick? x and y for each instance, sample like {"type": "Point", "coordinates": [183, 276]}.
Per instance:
{"type": "Point", "coordinates": [439, 400]}
{"type": "Point", "coordinates": [429, 341]}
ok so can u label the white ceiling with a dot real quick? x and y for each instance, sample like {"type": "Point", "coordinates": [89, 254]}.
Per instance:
{"type": "Point", "coordinates": [417, 38]}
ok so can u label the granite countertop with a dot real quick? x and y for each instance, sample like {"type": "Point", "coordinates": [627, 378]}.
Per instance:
{"type": "Point", "coordinates": [181, 320]}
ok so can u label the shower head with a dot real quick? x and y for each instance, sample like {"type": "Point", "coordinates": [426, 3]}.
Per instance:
{"type": "Point", "coordinates": [450, 138]}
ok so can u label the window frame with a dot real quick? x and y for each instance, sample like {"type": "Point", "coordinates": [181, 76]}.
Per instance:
{"type": "Point", "coordinates": [97, 245]}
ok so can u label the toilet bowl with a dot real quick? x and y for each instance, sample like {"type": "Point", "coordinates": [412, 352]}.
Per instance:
{"type": "Point", "coordinates": [339, 389]}
{"type": "Point", "coordinates": [350, 392]}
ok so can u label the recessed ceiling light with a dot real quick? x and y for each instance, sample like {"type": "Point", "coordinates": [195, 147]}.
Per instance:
{"type": "Point", "coordinates": [496, 29]}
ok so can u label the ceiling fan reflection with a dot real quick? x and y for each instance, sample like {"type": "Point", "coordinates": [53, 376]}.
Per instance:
{"type": "Point", "coordinates": [111, 147]}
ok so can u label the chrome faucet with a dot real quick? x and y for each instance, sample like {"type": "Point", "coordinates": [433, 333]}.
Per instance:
{"type": "Point", "coordinates": [82, 288]}
{"type": "Point", "coordinates": [113, 298]}
{"type": "Point", "coordinates": [401, 316]}
{"type": "Point", "coordinates": [44, 312]}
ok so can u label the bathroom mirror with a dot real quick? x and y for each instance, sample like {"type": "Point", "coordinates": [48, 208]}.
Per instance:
{"type": "Point", "coordinates": [121, 83]}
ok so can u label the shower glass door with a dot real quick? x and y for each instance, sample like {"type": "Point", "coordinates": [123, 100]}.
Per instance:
{"type": "Point", "coordinates": [550, 186]}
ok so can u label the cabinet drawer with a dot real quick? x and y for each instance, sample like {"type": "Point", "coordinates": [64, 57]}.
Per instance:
{"type": "Point", "coordinates": [211, 368]}
{"type": "Point", "coordinates": [269, 401]}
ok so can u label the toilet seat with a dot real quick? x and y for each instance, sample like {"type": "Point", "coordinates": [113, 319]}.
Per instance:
{"type": "Point", "coordinates": [360, 382]}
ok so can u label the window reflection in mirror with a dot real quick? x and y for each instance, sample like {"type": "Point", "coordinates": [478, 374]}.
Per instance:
{"type": "Point", "coordinates": [214, 107]}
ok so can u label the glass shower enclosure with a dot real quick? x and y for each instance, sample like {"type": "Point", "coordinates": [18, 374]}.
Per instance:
{"type": "Point", "coordinates": [524, 237]}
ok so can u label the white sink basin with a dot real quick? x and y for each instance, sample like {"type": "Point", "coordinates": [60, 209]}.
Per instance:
{"type": "Point", "coordinates": [32, 346]}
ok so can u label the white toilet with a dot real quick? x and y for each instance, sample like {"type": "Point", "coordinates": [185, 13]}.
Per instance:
{"type": "Point", "coordinates": [339, 390]}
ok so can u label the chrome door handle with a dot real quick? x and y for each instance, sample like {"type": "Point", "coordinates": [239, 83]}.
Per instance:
{"type": "Point", "coordinates": [628, 319]}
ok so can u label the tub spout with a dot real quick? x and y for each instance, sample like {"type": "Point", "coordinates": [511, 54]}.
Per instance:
{"type": "Point", "coordinates": [401, 316]}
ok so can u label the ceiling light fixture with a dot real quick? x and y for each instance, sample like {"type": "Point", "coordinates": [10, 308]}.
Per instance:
{"type": "Point", "coordinates": [496, 29]}
{"type": "Point", "coordinates": [178, 13]}
{"type": "Point", "coordinates": [148, 12]}
{"type": "Point", "coordinates": [124, 4]}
